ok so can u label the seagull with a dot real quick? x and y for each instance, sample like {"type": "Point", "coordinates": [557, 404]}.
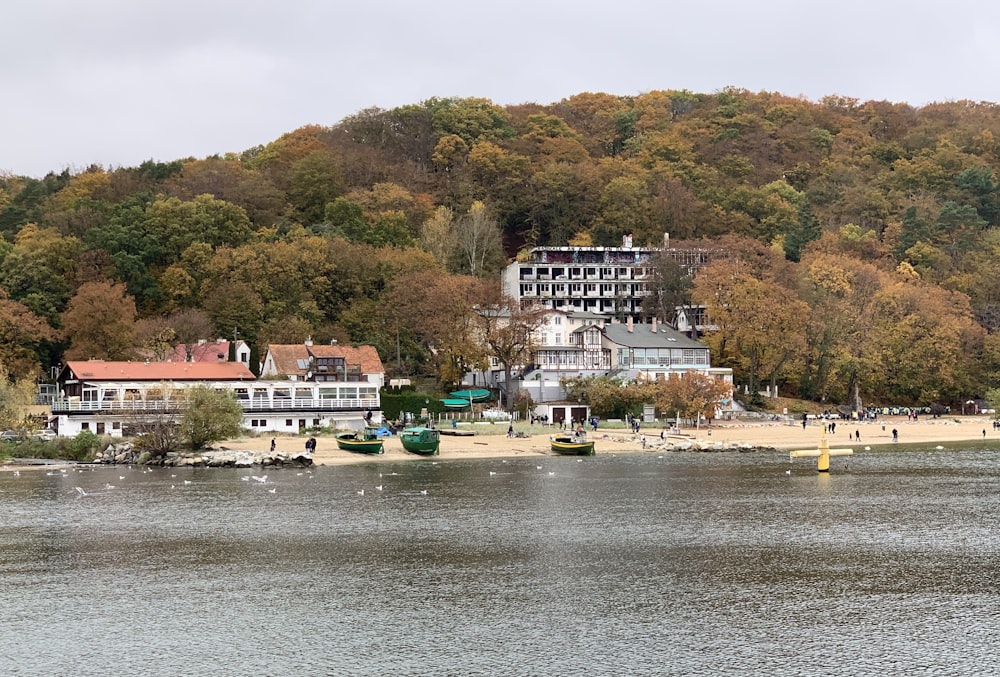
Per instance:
{"type": "Point", "coordinates": [361, 492]}
{"type": "Point", "coordinates": [492, 473]}
{"type": "Point", "coordinates": [538, 467]}
{"type": "Point", "coordinates": [187, 481]}
{"type": "Point", "coordinates": [551, 473]}
{"type": "Point", "coordinates": [109, 486]}
{"type": "Point", "coordinates": [378, 488]}
{"type": "Point", "coordinates": [17, 473]}
{"type": "Point", "coordinates": [121, 477]}
{"type": "Point", "coordinates": [271, 491]}
{"type": "Point", "coordinates": [939, 447]}
{"type": "Point", "coordinates": [80, 491]}
{"type": "Point", "coordinates": [423, 492]}
{"type": "Point", "coordinates": [788, 472]}
{"type": "Point", "coordinates": [261, 479]}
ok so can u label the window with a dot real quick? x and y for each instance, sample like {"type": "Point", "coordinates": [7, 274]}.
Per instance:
{"type": "Point", "coordinates": [288, 423]}
{"type": "Point", "coordinates": [85, 426]}
{"type": "Point", "coordinates": [557, 319]}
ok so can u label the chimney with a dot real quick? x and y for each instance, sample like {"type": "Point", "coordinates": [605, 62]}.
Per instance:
{"type": "Point", "coordinates": [630, 324]}
{"type": "Point", "coordinates": [654, 324]}
{"type": "Point", "coordinates": [309, 341]}
{"type": "Point", "coordinates": [666, 240]}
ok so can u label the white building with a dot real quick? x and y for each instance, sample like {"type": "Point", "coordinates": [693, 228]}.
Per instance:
{"type": "Point", "coordinates": [118, 398]}
{"type": "Point", "coordinates": [609, 281]}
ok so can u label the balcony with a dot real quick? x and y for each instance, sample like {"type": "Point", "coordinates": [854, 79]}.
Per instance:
{"type": "Point", "coordinates": [258, 404]}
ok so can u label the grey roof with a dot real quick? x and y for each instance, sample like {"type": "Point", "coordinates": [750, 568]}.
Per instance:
{"type": "Point", "coordinates": [643, 336]}
{"type": "Point", "coordinates": [586, 315]}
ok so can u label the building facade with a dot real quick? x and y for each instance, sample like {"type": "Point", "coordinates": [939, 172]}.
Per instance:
{"type": "Point", "coordinates": [610, 281]}
{"type": "Point", "coordinates": [119, 398]}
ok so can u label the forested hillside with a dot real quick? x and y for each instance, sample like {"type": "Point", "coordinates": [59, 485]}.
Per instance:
{"type": "Point", "coordinates": [864, 235]}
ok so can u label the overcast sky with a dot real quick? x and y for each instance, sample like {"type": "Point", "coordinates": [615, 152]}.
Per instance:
{"type": "Point", "coordinates": [117, 82]}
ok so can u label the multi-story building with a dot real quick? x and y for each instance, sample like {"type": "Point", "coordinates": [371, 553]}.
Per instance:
{"type": "Point", "coordinates": [610, 281]}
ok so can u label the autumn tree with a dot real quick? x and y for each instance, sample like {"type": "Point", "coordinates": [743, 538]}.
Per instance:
{"type": "Point", "coordinates": [22, 334]}
{"type": "Point", "coordinates": [16, 397]}
{"type": "Point", "coordinates": [508, 330]}
{"type": "Point", "coordinates": [437, 310]}
{"type": "Point", "coordinates": [690, 395]}
{"type": "Point", "coordinates": [99, 322]}
{"type": "Point", "coordinates": [760, 324]}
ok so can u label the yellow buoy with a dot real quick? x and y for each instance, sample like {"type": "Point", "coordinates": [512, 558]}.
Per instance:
{"type": "Point", "coordinates": [822, 454]}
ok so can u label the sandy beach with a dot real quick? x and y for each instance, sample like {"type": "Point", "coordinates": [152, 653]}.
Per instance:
{"type": "Point", "coordinates": [491, 441]}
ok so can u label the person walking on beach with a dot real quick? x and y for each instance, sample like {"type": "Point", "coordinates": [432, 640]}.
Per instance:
{"type": "Point", "coordinates": [510, 430]}
{"type": "Point", "coordinates": [857, 435]}
{"type": "Point", "coordinates": [895, 435]}
{"type": "Point", "coordinates": [272, 445]}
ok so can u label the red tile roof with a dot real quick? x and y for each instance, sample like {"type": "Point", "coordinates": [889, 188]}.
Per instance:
{"type": "Point", "coordinates": [293, 359]}
{"type": "Point", "coordinates": [99, 370]}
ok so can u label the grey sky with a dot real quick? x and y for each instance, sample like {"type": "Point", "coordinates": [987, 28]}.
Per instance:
{"type": "Point", "coordinates": [116, 82]}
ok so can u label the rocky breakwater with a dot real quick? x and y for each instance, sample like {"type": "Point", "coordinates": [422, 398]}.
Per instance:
{"type": "Point", "coordinates": [654, 442]}
{"type": "Point", "coordinates": [124, 453]}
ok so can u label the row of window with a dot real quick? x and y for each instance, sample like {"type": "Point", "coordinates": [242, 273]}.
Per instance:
{"type": "Point", "coordinates": [262, 423]}
{"type": "Point", "coordinates": [583, 273]}
{"type": "Point", "coordinates": [661, 357]}
{"type": "Point", "coordinates": [589, 289]}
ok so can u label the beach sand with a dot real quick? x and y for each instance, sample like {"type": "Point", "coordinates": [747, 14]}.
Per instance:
{"type": "Point", "coordinates": [491, 441]}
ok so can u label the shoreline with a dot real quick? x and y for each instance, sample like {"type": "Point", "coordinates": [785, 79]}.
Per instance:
{"type": "Point", "coordinates": [491, 441]}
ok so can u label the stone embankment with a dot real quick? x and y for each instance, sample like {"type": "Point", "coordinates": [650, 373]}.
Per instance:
{"type": "Point", "coordinates": [124, 453]}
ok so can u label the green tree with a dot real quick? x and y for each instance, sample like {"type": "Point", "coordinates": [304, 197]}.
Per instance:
{"type": "Point", "coordinates": [806, 230]}
{"type": "Point", "coordinates": [209, 415]}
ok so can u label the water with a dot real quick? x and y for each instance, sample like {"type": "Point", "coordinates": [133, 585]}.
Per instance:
{"type": "Point", "coordinates": [680, 564]}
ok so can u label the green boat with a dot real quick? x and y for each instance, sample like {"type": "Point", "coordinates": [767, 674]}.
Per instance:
{"type": "Point", "coordinates": [455, 403]}
{"type": "Point", "coordinates": [364, 442]}
{"type": "Point", "coordinates": [575, 445]}
{"type": "Point", "coordinates": [423, 441]}
{"type": "Point", "coordinates": [477, 395]}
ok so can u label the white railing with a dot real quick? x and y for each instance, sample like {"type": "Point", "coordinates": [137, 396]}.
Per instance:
{"type": "Point", "coordinates": [257, 404]}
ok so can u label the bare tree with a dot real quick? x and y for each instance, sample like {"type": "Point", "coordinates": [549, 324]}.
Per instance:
{"type": "Point", "coordinates": [480, 244]}
{"type": "Point", "coordinates": [190, 326]}
{"type": "Point", "coordinates": [508, 332]}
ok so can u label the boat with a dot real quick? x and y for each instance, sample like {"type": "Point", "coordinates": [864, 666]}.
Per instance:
{"type": "Point", "coordinates": [366, 441]}
{"type": "Point", "coordinates": [423, 441]}
{"type": "Point", "coordinates": [476, 395]}
{"type": "Point", "coordinates": [575, 445]}
{"type": "Point", "coordinates": [455, 403]}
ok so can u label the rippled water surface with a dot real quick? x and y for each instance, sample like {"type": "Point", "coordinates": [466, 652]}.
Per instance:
{"type": "Point", "coordinates": [643, 564]}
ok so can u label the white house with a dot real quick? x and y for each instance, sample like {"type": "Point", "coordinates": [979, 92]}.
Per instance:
{"type": "Point", "coordinates": [118, 398]}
